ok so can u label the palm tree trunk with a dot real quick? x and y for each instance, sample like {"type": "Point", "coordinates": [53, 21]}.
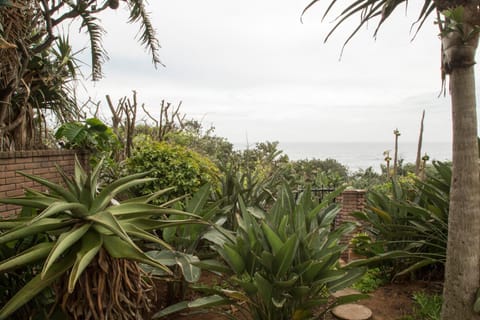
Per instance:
{"type": "Point", "coordinates": [462, 274]}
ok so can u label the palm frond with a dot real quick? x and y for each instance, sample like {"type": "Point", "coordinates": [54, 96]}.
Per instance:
{"type": "Point", "coordinates": [147, 34]}
{"type": "Point", "coordinates": [95, 32]}
{"type": "Point", "coordinates": [380, 10]}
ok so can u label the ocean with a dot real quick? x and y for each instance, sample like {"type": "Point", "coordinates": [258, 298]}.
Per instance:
{"type": "Point", "coordinates": [361, 155]}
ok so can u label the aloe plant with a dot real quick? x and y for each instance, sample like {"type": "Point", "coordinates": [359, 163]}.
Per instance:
{"type": "Point", "coordinates": [90, 239]}
{"type": "Point", "coordinates": [282, 264]}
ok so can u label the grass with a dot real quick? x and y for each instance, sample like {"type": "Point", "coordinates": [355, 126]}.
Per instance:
{"type": "Point", "coordinates": [427, 307]}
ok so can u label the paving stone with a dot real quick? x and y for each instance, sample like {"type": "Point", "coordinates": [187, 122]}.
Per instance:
{"type": "Point", "coordinates": [352, 311]}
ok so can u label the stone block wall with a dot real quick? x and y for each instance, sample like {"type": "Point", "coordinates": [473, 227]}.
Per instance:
{"type": "Point", "coordinates": [37, 162]}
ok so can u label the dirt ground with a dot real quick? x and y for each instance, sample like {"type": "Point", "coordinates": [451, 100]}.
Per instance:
{"type": "Point", "coordinates": [390, 302]}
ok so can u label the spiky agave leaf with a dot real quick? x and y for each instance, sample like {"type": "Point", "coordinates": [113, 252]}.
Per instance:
{"type": "Point", "coordinates": [84, 225]}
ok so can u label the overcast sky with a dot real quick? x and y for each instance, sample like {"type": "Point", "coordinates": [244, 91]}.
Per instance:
{"type": "Point", "coordinates": [255, 72]}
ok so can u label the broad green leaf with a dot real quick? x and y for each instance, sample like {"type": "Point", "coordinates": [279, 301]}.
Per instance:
{"type": "Point", "coordinates": [91, 244]}
{"type": "Point", "coordinates": [287, 283]}
{"type": "Point", "coordinates": [265, 288]}
{"type": "Point", "coordinates": [186, 262]}
{"type": "Point", "coordinates": [282, 261]}
{"type": "Point", "coordinates": [63, 243]}
{"type": "Point", "coordinates": [197, 203]}
{"type": "Point", "coordinates": [273, 239]}
{"type": "Point", "coordinates": [233, 258]}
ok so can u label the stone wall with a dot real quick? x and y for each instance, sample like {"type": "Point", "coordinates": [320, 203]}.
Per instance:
{"type": "Point", "coordinates": [37, 162]}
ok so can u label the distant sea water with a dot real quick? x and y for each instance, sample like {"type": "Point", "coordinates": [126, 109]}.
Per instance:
{"type": "Point", "coordinates": [361, 155]}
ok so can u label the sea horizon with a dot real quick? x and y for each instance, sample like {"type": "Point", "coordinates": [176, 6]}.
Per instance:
{"type": "Point", "coordinates": [360, 155]}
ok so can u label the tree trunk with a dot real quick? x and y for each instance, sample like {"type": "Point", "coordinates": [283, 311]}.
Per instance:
{"type": "Point", "coordinates": [462, 270]}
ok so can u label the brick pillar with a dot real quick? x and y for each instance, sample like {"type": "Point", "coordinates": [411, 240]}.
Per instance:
{"type": "Point", "coordinates": [350, 200]}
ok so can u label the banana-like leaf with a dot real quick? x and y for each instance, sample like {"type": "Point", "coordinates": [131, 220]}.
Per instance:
{"type": "Point", "coordinates": [35, 286]}
{"type": "Point", "coordinates": [199, 199]}
{"type": "Point", "coordinates": [63, 243]}
{"type": "Point", "coordinates": [265, 288]}
{"type": "Point", "coordinates": [283, 260]}
{"type": "Point", "coordinates": [44, 225]}
{"type": "Point", "coordinates": [233, 258]}
{"type": "Point", "coordinates": [273, 239]}
{"type": "Point", "coordinates": [91, 244]}
{"type": "Point", "coordinates": [28, 256]}
{"type": "Point", "coordinates": [119, 248]}
{"type": "Point", "coordinates": [186, 262]}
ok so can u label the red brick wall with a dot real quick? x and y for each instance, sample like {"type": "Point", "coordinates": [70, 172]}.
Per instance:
{"type": "Point", "coordinates": [350, 201]}
{"type": "Point", "coordinates": [37, 162]}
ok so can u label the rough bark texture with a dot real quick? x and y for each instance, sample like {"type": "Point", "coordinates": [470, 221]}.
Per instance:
{"type": "Point", "coordinates": [462, 274]}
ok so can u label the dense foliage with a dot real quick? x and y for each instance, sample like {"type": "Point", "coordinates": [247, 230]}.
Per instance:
{"type": "Point", "coordinates": [282, 263]}
{"type": "Point", "coordinates": [171, 166]}
{"type": "Point", "coordinates": [408, 229]}
{"type": "Point", "coordinates": [83, 240]}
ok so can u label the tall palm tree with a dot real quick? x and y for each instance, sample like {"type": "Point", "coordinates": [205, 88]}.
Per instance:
{"type": "Point", "coordinates": [28, 31]}
{"type": "Point", "coordinates": [459, 22]}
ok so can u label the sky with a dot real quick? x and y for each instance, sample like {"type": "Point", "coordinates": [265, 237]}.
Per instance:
{"type": "Point", "coordinates": [255, 72]}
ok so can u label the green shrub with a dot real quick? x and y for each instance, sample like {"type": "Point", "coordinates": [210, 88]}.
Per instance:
{"type": "Point", "coordinates": [427, 307]}
{"type": "Point", "coordinates": [171, 166]}
{"type": "Point", "coordinates": [370, 281]}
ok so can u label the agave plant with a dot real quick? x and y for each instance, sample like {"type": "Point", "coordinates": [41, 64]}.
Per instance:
{"type": "Point", "coordinates": [282, 264]}
{"type": "Point", "coordinates": [91, 252]}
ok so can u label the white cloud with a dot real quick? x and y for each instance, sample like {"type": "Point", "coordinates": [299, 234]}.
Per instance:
{"type": "Point", "coordinates": [250, 67]}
